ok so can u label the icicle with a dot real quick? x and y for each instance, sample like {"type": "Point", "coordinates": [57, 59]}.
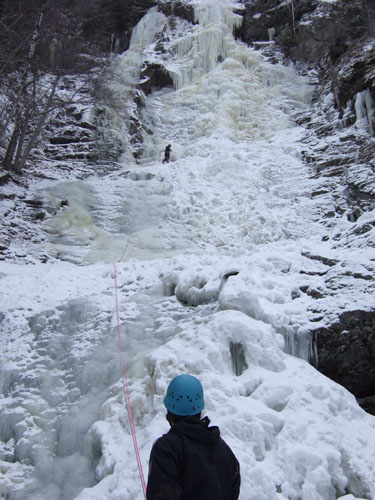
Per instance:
{"type": "Point", "coordinates": [271, 34]}
{"type": "Point", "coordinates": [237, 352]}
{"type": "Point", "coordinates": [299, 344]}
{"type": "Point", "coordinates": [364, 111]}
{"type": "Point", "coordinates": [347, 115]}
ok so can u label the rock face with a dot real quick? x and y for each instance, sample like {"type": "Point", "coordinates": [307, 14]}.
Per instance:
{"type": "Point", "coordinates": [336, 41]}
{"type": "Point", "coordinates": [334, 37]}
{"type": "Point", "coordinates": [113, 23]}
{"type": "Point", "coordinates": [346, 354]}
{"type": "Point", "coordinates": [306, 30]}
{"type": "Point", "coordinates": [178, 9]}
{"type": "Point", "coordinates": [270, 19]}
{"type": "Point", "coordinates": [71, 133]}
{"type": "Point", "coordinates": [154, 77]}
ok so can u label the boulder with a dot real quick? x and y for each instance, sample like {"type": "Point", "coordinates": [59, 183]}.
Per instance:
{"type": "Point", "coordinates": [178, 9]}
{"type": "Point", "coordinates": [346, 354]}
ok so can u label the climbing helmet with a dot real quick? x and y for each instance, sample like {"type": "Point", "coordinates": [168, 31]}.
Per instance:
{"type": "Point", "coordinates": [184, 396]}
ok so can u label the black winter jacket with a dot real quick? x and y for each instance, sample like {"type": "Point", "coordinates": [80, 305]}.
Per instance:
{"type": "Point", "coordinates": [192, 462]}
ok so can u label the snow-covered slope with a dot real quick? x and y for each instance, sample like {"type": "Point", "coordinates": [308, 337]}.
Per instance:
{"type": "Point", "coordinates": [212, 251]}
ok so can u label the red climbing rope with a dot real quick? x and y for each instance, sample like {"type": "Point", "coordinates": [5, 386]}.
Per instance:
{"type": "Point", "coordinates": [126, 390]}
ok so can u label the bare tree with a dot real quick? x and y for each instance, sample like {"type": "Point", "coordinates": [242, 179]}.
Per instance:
{"type": "Point", "coordinates": [24, 104]}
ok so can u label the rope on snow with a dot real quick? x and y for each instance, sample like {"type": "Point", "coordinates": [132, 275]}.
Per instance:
{"type": "Point", "coordinates": [126, 390]}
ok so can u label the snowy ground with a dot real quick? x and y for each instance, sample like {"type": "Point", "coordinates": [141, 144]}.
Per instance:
{"type": "Point", "coordinates": [211, 252]}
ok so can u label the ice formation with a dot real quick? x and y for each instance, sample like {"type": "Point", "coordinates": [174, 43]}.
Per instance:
{"type": "Point", "coordinates": [210, 251]}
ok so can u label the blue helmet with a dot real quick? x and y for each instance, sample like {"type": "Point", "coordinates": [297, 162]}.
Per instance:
{"type": "Point", "coordinates": [184, 396]}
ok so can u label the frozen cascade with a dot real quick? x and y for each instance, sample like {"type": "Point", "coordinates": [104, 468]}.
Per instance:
{"type": "Point", "coordinates": [199, 52]}
{"type": "Point", "coordinates": [118, 108]}
{"type": "Point", "coordinates": [211, 258]}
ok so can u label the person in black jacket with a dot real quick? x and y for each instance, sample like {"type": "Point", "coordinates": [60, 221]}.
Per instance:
{"type": "Point", "coordinates": [191, 461]}
{"type": "Point", "coordinates": [167, 153]}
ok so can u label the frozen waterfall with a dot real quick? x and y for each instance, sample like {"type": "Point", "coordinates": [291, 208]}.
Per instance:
{"type": "Point", "coordinates": [212, 252]}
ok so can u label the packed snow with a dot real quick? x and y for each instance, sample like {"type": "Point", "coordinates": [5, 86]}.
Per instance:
{"type": "Point", "coordinates": [211, 252]}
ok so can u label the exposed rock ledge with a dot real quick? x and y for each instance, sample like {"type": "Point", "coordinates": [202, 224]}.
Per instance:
{"type": "Point", "coordinates": [346, 354]}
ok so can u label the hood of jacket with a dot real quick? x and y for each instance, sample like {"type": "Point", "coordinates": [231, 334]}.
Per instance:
{"type": "Point", "coordinates": [197, 430]}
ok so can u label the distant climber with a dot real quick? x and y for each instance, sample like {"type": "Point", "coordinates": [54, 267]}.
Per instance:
{"type": "Point", "coordinates": [167, 153]}
{"type": "Point", "coordinates": [191, 460]}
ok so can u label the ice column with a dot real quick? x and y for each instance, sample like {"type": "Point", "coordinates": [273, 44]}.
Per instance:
{"type": "Point", "coordinates": [207, 45]}
{"type": "Point", "coordinates": [146, 30]}
{"type": "Point", "coordinates": [364, 110]}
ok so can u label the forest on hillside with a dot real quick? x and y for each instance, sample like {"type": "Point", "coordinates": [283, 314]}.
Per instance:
{"type": "Point", "coordinates": [40, 42]}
